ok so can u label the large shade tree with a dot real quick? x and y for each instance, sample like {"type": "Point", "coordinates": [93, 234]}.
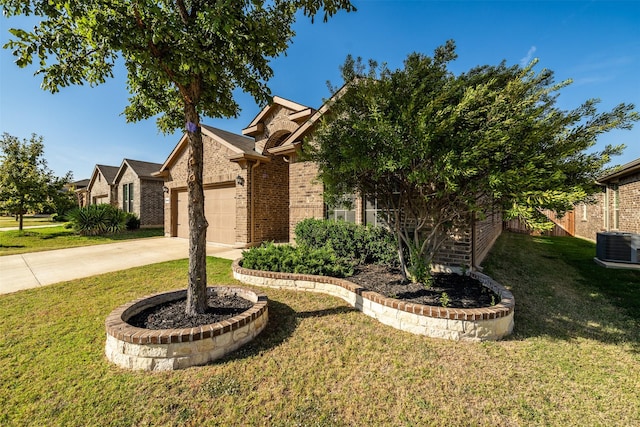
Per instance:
{"type": "Point", "coordinates": [184, 59]}
{"type": "Point", "coordinates": [26, 182]}
{"type": "Point", "coordinates": [437, 150]}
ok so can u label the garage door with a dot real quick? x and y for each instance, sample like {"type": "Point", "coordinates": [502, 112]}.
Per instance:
{"type": "Point", "coordinates": [220, 211]}
{"type": "Point", "coordinates": [100, 200]}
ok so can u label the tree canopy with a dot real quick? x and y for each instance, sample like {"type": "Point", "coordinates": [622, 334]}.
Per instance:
{"type": "Point", "coordinates": [184, 60]}
{"type": "Point", "coordinates": [26, 182]}
{"type": "Point", "coordinates": [436, 149]}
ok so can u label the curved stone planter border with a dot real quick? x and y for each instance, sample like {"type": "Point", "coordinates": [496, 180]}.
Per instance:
{"type": "Point", "coordinates": [472, 324]}
{"type": "Point", "coordinates": [168, 349]}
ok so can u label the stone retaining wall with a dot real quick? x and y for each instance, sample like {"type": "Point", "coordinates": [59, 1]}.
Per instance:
{"type": "Point", "coordinates": [168, 349]}
{"type": "Point", "coordinates": [474, 324]}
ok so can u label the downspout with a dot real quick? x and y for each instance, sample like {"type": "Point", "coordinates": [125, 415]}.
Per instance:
{"type": "Point", "coordinates": [473, 265]}
{"type": "Point", "coordinates": [252, 225]}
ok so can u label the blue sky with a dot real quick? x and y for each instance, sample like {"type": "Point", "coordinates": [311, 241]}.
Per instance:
{"type": "Point", "coordinates": [595, 43]}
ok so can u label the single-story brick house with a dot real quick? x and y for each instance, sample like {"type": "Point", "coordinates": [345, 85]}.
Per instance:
{"type": "Point", "coordinates": [131, 187]}
{"type": "Point", "coordinates": [617, 207]}
{"type": "Point", "coordinates": [257, 189]}
{"type": "Point", "coordinates": [101, 189]}
{"type": "Point", "coordinates": [140, 192]}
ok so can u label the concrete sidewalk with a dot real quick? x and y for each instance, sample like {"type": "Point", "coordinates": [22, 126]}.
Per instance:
{"type": "Point", "coordinates": [35, 269]}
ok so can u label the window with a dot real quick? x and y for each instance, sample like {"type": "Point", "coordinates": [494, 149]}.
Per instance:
{"type": "Point", "coordinates": [584, 211]}
{"type": "Point", "coordinates": [373, 212]}
{"type": "Point", "coordinates": [127, 197]}
{"type": "Point", "coordinates": [343, 212]}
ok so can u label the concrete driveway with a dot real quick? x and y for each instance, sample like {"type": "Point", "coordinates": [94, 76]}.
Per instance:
{"type": "Point", "coordinates": [35, 269]}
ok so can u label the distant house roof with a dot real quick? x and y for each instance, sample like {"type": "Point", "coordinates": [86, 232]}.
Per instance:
{"type": "Point", "coordinates": [624, 170]}
{"type": "Point", "coordinates": [140, 168]}
{"type": "Point", "coordinates": [109, 172]}
{"type": "Point", "coordinates": [81, 183]}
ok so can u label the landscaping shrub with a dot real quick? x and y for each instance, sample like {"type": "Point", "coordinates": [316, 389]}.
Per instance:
{"type": "Point", "coordinates": [132, 221]}
{"type": "Point", "coordinates": [93, 220]}
{"type": "Point", "coordinates": [359, 243]}
{"type": "Point", "coordinates": [299, 259]}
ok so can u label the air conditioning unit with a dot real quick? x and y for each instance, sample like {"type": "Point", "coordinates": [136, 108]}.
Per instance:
{"type": "Point", "coordinates": [618, 247]}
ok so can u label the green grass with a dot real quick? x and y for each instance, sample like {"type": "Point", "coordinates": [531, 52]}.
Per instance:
{"type": "Point", "coordinates": [44, 239]}
{"type": "Point", "coordinates": [573, 358]}
{"type": "Point", "coordinates": [27, 220]}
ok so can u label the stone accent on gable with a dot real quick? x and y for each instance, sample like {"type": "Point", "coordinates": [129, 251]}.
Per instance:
{"type": "Point", "coordinates": [276, 122]}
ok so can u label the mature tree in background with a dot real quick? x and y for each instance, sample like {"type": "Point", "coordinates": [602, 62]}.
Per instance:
{"type": "Point", "coordinates": [26, 183]}
{"type": "Point", "coordinates": [437, 150]}
{"type": "Point", "coordinates": [184, 60]}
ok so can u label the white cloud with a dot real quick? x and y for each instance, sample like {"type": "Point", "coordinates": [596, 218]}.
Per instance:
{"type": "Point", "coordinates": [525, 61]}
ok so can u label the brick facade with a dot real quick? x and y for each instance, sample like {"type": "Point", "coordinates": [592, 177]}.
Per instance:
{"type": "Point", "coordinates": [275, 190]}
{"type": "Point", "coordinates": [101, 189]}
{"type": "Point", "coordinates": [616, 208]}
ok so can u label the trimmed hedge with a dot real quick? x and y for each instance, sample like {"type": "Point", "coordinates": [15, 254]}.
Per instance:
{"type": "Point", "coordinates": [298, 259]}
{"type": "Point", "coordinates": [325, 248]}
{"type": "Point", "coordinates": [362, 244]}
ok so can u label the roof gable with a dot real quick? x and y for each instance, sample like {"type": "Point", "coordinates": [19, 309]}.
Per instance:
{"type": "Point", "coordinates": [298, 113]}
{"type": "Point", "coordinates": [107, 172]}
{"type": "Point", "coordinates": [142, 169]}
{"type": "Point", "coordinates": [241, 146]}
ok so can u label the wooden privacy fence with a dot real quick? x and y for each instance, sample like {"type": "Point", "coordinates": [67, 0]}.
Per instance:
{"type": "Point", "coordinates": [564, 226]}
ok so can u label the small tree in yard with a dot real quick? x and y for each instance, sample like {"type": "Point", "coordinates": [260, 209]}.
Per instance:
{"type": "Point", "coordinates": [437, 149]}
{"type": "Point", "coordinates": [26, 183]}
{"type": "Point", "coordinates": [184, 60]}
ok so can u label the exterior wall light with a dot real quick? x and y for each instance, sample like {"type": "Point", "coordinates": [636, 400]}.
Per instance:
{"type": "Point", "coordinates": [240, 180]}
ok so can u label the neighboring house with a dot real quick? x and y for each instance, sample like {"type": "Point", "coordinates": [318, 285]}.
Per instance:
{"type": "Point", "coordinates": [80, 188]}
{"type": "Point", "coordinates": [138, 191]}
{"type": "Point", "coordinates": [257, 189]}
{"type": "Point", "coordinates": [101, 189]}
{"type": "Point", "coordinates": [616, 208]}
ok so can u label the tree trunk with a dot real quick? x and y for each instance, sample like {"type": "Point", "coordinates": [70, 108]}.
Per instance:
{"type": "Point", "coordinates": [197, 287]}
{"type": "Point", "coordinates": [21, 221]}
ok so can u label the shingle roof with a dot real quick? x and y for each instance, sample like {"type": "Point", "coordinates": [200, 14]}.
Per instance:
{"type": "Point", "coordinates": [109, 172]}
{"type": "Point", "coordinates": [143, 169]}
{"type": "Point", "coordinates": [621, 171]}
{"type": "Point", "coordinates": [246, 145]}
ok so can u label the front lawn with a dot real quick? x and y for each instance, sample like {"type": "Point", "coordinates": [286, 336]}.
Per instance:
{"type": "Point", "coordinates": [573, 359]}
{"type": "Point", "coordinates": [27, 220]}
{"type": "Point", "coordinates": [44, 239]}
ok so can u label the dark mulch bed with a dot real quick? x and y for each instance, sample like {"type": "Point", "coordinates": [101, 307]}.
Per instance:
{"type": "Point", "coordinates": [463, 291]}
{"type": "Point", "coordinates": [172, 315]}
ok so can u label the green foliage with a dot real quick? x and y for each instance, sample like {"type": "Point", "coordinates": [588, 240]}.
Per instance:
{"type": "Point", "coordinates": [444, 300]}
{"type": "Point", "coordinates": [132, 221]}
{"type": "Point", "coordinates": [184, 60]}
{"type": "Point", "coordinates": [434, 148]}
{"type": "Point", "coordinates": [26, 183]}
{"type": "Point", "coordinates": [358, 243]}
{"type": "Point", "coordinates": [296, 259]}
{"type": "Point", "coordinates": [94, 220]}
{"type": "Point", "coordinates": [175, 53]}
